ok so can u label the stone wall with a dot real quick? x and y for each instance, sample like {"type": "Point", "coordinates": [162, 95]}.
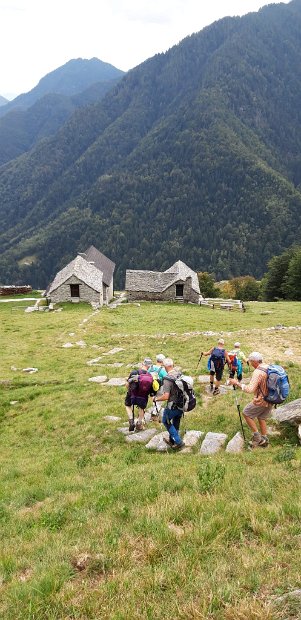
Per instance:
{"type": "Point", "coordinates": [86, 293]}
{"type": "Point", "coordinates": [107, 292]}
{"type": "Point", "coordinates": [189, 295]}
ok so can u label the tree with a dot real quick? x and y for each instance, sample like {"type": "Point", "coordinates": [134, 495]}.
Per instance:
{"type": "Point", "coordinates": [274, 279]}
{"type": "Point", "coordinates": [207, 284]}
{"type": "Point", "coordinates": [292, 280]}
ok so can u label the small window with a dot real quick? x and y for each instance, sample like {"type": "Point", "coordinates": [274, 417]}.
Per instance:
{"type": "Point", "coordinates": [179, 290]}
{"type": "Point", "coordinates": [74, 289]}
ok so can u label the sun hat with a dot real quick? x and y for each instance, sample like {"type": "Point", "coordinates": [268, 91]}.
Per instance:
{"type": "Point", "coordinates": [237, 344]}
{"type": "Point", "coordinates": [147, 361]}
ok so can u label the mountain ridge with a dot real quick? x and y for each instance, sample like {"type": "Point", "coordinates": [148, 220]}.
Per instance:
{"type": "Point", "coordinates": [202, 130]}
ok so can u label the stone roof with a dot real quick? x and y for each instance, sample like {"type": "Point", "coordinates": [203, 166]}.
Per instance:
{"type": "Point", "coordinates": [83, 270]}
{"type": "Point", "coordinates": [151, 281]}
{"type": "Point", "coordinates": [158, 281]}
{"type": "Point", "coordinates": [104, 264]}
{"type": "Point", "coordinates": [183, 272]}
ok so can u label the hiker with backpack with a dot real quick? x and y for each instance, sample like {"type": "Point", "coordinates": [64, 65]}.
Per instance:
{"type": "Point", "coordinates": [270, 386]}
{"type": "Point", "coordinates": [172, 413]}
{"type": "Point", "coordinates": [140, 385]}
{"type": "Point", "coordinates": [158, 372]}
{"type": "Point", "coordinates": [237, 359]}
{"type": "Point", "coordinates": [218, 356]}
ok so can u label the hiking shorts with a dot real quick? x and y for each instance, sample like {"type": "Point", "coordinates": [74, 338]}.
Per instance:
{"type": "Point", "coordinates": [139, 401]}
{"type": "Point", "coordinates": [218, 372]}
{"type": "Point", "coordinates": [127, 400]}
{"type": "Point", "coordinates": [258, 411]}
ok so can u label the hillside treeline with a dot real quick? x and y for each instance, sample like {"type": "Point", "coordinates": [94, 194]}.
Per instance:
{"type": "Point", "coordinates": [194, 155]}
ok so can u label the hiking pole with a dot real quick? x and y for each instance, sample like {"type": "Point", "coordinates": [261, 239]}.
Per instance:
{"type": "Point", "coordinates": [199, 360]}
{"type": "Point", "coordinates": [238, 409]}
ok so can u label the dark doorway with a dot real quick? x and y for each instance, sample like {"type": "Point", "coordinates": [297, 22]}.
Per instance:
{"type": "Point", "coordinates": [74, 289]}
{"type": "Point", "coordinates": [179, 290]}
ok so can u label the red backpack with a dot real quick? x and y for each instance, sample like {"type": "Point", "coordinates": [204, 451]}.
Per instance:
{"type": "Point", "coordinates": [233, 360]}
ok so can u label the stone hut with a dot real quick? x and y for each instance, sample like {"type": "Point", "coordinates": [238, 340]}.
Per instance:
{"type": "Point", "coordinates": [178, 283]}
{"type": "Point", "coordinates": [84, 280]}
{"type": "Point", "coordinates": [106, 266]}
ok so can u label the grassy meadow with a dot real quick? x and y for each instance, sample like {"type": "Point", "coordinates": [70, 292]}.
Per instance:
{"type": "Point", "coordinates": [94, 528]}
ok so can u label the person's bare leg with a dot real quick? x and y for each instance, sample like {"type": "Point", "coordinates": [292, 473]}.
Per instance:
{"type": "Point", "coordinates": [129, 411]}
{"type": "Point", "coordinates": [251, 424]}
{"type": "Point", "coordinates": [263, 426]}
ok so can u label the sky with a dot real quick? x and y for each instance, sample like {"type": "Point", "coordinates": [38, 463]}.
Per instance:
{"type": "Point", "coordinates": [38, 36]}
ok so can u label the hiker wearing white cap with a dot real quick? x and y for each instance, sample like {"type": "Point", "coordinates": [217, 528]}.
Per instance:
{"type": "Point", "coordinates": [259, 408]}
{"type": "Point", "coordinates": [218, 356]}
{"type": "Point", "coordinates": [237, 358]}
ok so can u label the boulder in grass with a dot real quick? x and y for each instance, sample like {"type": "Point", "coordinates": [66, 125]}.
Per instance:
{"type": "Point", "coordinates": [213, 442]}
{"type": "Point", "coordinates": [290, 413]}
{"type": "Point", "coordinates": [191, 438]}
{"type": "Point", "coordinates": [157, 442]}
{"type": "Point", "coordinates": [98, 379]}
{"type": "Point", "coordinates": [30, 371]}
{"type": "Point", "coordinates": [124, 430]}
{"type": "Point", "coordinates": [142, 436]}
{"type": "Point", "coordinates": [116, 381]}
{"type": "Point", "coordinates": [236, 444]}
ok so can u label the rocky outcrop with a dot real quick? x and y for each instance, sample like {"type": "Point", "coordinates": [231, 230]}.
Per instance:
{"type": "Point", "coordinates": [290, 413]}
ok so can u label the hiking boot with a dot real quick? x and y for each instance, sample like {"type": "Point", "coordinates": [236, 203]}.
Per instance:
{"type": "Point", "coordinates": [178, 446]}
{"type": "Point", "coordinates": [256, 440]}
{"type": "Point", "coordinates": [211, 387]}
{"type": "Point", "coordinates": [131, 426]}
{"type": "Point", "coordinates": [264, 442]}
{"type": "Point", "coordinates": [169, 442]}
{"type": "Point", "coordinates": [155, 417]}
{"type": "Point", "coordinates": [216, 391]}
{"type": "Point", "coordinates": [139, 426]}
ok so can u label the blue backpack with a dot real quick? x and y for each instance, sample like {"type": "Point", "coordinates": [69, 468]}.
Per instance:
{"type": "Point", "coordinates": [218, 358]}
{"type": "Point", "coordinates": [277, 384]}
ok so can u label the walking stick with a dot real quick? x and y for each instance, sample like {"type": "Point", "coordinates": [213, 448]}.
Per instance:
{"type": "Point", "coordinates": [199, 360]}
{"type": "Point", "coordinates": [238, 409]}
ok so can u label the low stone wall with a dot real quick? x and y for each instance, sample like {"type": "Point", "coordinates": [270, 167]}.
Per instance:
{"type": "Point", "coordinates": [15, 290]}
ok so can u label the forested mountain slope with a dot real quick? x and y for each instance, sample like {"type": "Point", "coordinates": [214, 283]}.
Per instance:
{"type": "Point", "coordinates": [195, 154]}
{"type": "Point", "coordinates": [21, 129]}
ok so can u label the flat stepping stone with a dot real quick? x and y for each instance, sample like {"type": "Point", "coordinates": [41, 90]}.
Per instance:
{"type": "Point", "coordinates": [112, 418]}
{"type": "Point", "coordinates": [157, 442]}
{"type": "Point", "coordinates": [236, 444]}
{"type": "Point", "coordinates": [67, 345]}
{"type": "Point", "coordinates": [30, 371]}
{"type": "Point", "coordinates": [213, 442]}
{"type": "Point", "coordinates": [142, 436]}
{"type": "Point", "coordinates": [115, 381]}
{"type": "Point", "coordinates": [191, 438]}
{"type": "Point", "coordinates": [81, 343]}
{"type": "Point", "coordinates": [94, 361]}
{"type": "Point", "coordinates": [114, 351]}
{"type": "Point", "coordinates": [115, 365]}
{"type": "Point", "coordinates": [99, 379]}
{"type": "Point", "coordinates": [124, 430]}
{"type": "Point", "coordinates": [186, 450]}
{"type": "Point", "coordinates": [203, 378]}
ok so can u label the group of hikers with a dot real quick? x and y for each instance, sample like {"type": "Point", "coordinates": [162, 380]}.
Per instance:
{"type": "Point", "coordinates": [166, 385]}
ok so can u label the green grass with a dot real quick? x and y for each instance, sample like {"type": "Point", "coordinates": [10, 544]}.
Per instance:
{"type": "Point", "coordinates": [93, 528]}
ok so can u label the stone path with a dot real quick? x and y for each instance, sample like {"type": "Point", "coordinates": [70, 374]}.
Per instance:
{"type": "Point", "coordinates": [211, 444]}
